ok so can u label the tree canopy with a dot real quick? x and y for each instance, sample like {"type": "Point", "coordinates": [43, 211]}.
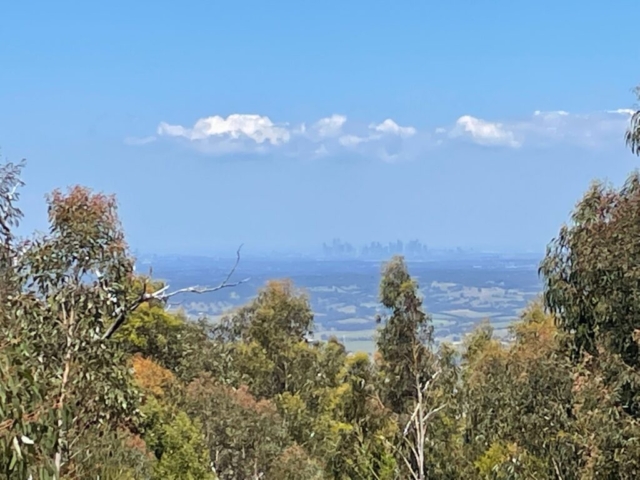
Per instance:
{"type": "Point", "coordinates": [98, 379]}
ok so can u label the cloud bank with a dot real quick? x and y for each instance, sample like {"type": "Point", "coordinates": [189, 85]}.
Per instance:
{"type": "Point", "coordinates": [388, 139]}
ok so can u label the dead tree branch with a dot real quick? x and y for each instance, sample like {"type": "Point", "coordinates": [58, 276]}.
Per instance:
{"type": "Point", "coordinates": [164, 294]}
{"type": "Point", "coordinates": [418, 424]}
{"type": "Point", "coordinates": [419, 404]}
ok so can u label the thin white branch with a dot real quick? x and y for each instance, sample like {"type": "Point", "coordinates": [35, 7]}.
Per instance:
{"type": "Point", "coordinates": [163, 294]}
{"type": "Point", "coordinates": [428, 383]}
{"type": "Point", "coordinates": [431, 413]}
{"type": "Point", "coordinates": [414, 451]}
{"type": "Point", "coordinates": [418, 423]}
{"type": "Point", "coordinates": [404, 458]}
{"type": "Point", "coordinates": [413, 416]}
{"type": "Point", "coordinates": [431, 381]}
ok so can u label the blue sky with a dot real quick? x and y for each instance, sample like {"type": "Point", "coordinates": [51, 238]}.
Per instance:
{"type": "Point", "coordinates": [284, 124]}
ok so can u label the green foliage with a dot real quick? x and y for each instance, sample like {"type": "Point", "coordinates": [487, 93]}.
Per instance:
{"type": "Point", "coordinates": [405, 338]}
{"type": "Point", "coordinates": [607, 434]}
{"type": "Point", "coordinates": [24, 439]}
{"type": "Point", "coordinates": [270, 329]}
{"type": "Point", "coordinates": [363, 450]}
{"type": "Point", "coordinates": [591, 272]}
{"type": "Point", "coordinates": [244, 436]}
{"type": "Point", "coordinates": [170, 435]}
{"type": "Point", "coordinates": [520, 396]}
{"type": "Point", "coordinates": [170, 340]}
{"type": "Point", "coordinates": [632, 135]}
{"type": "Point", "coordinates": [54, 318]}
{"type": "Point", "coordinates": [278, 316]}
{"type": "Point", "coordinates": [444, 456]}
{"type": "Point", "coordinates": [153, 332]}
{"type": "Point", "coordinates": [592, 276]}
{"type": "Point", "coordinates": [509, 462]}
{"type": "Point", "coordinates": [181, 450]}
{"type": "Point", "coordinates": [294, 464]}
{"type": "Point", "coordinates": [111, 455]}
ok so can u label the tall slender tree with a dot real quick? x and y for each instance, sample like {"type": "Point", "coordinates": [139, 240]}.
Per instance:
{"type": "Point", "coordinates": [404, 341]}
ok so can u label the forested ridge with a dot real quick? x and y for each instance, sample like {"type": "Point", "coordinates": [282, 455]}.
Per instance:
{"type": "Point", "coordinates": [99, 380]}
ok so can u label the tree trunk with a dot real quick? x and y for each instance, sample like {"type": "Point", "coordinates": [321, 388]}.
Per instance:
{"type": "Point", "coordinates": [69, 322]}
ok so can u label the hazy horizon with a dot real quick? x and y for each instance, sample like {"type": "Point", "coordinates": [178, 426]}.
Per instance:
{"type": "Point", "coordinates": [248, 251]}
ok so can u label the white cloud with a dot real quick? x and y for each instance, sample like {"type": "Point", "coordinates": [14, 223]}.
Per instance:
{"type": "Point", "coordinates": [545, 129]}
{"type": "Point", "coordinates": [352, 140]}
{"type": "Point", "coordinates": [388, 140]}
{"type": "Point", "coordinates": [330, 126]}
{"type": "Point", "coordinates": [595, 129]}
{"type": "Point", "coordinates": [259, 129]}
{"type": "Point", "coordinates": [483, 132]}
{"type": "Point", "coordinates": [623, 111]}
{"type": "Point", "coordinates": [391, 127]}
{"type": "Point", "coordinates": [552, 114]}
{"type": "Point", "coordinates": [258, 134]}
{"type": "Point", "coordinates": [380, 133]}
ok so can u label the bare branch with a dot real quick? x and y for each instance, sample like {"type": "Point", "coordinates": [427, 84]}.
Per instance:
{"type": "Point", "coordinates": [431, 413]}
{"type": "Point", "coordinates": [407, 427]}
{"type": "Point", "coordinates": [419, 404]}
{"type": "Point", "coordinates": [404, 458]}
{"type": "Point", "coordinates": [163, 294]}
{"type": "Point", "coordinates": [429, 382]}
{"type": "Point", "coordinates": [418, 423]}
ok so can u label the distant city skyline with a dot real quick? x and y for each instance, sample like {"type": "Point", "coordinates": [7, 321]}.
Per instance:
{"type": "Point", "coordinates": [338, 249]}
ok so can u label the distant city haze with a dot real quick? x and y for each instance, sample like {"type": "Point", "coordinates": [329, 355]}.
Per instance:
{"type": "Point", "coordinates": [337, 249]}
